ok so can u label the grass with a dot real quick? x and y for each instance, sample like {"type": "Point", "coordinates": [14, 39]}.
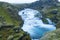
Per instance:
{"type": "Point", "coordinates": [4, 13]}
{"type": "Point", "coordinates": [7, 32]}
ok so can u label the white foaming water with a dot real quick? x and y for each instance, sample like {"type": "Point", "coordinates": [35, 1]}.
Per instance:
{"type": "Point", "coordinates": [33, 24]}
{"type": "Point", "coordinates": [50, 22]}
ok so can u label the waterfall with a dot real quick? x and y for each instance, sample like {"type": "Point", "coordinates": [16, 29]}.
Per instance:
{"type": "Point", "coordinates": [50, 22]}
{"type": "Point", "coordinates": [33, 24]}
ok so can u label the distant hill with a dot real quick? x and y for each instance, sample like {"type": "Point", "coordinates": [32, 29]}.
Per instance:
{"type": "Point", "coordinates": [38, 4]}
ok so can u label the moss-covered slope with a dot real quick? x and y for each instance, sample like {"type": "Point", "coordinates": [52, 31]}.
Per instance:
{"type": "Point", "coordinates": [54, 35]}
{"type": "Point", "coordinates": [11, 23]}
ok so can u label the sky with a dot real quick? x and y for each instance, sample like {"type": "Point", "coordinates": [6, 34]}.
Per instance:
{"type": "Point", "coordinates": [59, 0]}
{"type": "Point", "coordinates": [19, 1]}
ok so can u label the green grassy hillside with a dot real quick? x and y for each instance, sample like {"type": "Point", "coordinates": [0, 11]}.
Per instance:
{"type": "Point", "coordinates": [11, 23]}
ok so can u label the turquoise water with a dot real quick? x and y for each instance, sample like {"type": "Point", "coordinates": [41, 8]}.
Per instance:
{"type": "Point", "coordinates": [34, 25]}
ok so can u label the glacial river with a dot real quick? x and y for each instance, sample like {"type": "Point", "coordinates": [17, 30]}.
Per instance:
{"type": "Point", "coordinates": [34, 25]}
